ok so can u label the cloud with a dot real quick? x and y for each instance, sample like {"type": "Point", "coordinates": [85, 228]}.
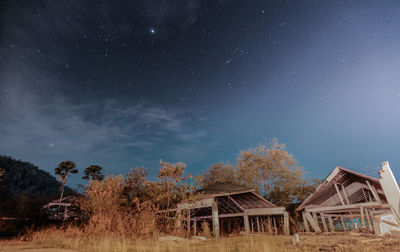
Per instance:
{"type": "Point", "coordinates": [41, 124]}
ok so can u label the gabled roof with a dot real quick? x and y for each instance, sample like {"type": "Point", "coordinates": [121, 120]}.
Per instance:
{"type": "Point", "coordinates": [354, 182]}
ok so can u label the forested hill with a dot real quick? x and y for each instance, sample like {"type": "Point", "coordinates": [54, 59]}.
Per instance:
{"type": "Point", "coordinates": [23, 178]}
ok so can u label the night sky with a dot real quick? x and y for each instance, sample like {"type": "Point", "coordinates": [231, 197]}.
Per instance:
{"type": "Point", "coordinates": [126, 83]}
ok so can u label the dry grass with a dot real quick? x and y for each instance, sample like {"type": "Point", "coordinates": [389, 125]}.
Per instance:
{"type": "Point", "coordinates": [74, 239]}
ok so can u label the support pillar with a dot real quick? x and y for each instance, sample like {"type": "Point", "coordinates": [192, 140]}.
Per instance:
{"type": "Point", "coordinates": [324, 222]}
{"type": "Point", "coordinates": [344, 226]}
{"type": "Point", "coordinates": [331, 226]}
{"type": "Point", "coordinates": [188, 222]}
{"type": "Point", "coordinates": [179, 219]}
{"type": "Point", "coordinates": [215, 219]}
{"type": "Point", "coordinates": [286, 229]}
{"type": "Point", "coordinates": [195, 226]}
{"type": "Point", "coordinates": [246, 223]}
{"type": "Point", "coordinates": [362, 217]}
{"type": "Point", "coordinates": [306, 227]}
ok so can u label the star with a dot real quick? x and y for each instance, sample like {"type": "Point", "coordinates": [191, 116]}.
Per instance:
{"type": "Point", "coordinates": [152, 31]}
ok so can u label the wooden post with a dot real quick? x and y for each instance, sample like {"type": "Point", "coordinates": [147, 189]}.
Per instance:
{"type": "Point", "coordinates": [374, 192]}
{"type": "Point", "coordinates": [338, 192]}
{"type": "Point", "coordinates": [269, 225]}
{"type": "Point", "coordinates": [362, 217]}
{"type": "Point", "coordinates": [370, 222]}
{"type": "Point", "coordinates": [246, 223]}
{"type": "Point", "coordinates": [195, 226]}
{"type": "Point", "coordinates": [179, 219]}
{"type": "Point", "coordinates": [306, 227]}
{"type": "Point", "coordinates": [258, 225]}
{"type": "Point", "coordinates": [331, 226]}
{"type": "Point", "coordinates": [345, 195]}
{"type": "Point", "coordinates": [275, 227]}
{"type": "Point", "coordinates": [286, 229]}
{"type": "Point", "coordinates": [262, 224]}
{"type": "Point", "coordinates": [188, 222]}
{"type": "Point", "coordinates": [324, 222]}
{"type": "Point", "coordinates": [312, 222]}
{"type": "Point", "coordinates": [344, 226]}
{"type": "Point", "coordinates": [251, 225]}
{"type": "Point", "coordinates": [215, 219]}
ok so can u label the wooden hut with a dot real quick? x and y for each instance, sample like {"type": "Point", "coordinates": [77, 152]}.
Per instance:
{"type": "Point", "coordinates": [345, 200]}
{"type": "Point", "coordinates": [225, 205]}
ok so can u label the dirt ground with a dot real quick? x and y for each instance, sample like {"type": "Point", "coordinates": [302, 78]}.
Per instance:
{"type": "Point", "coordinates": [257, 242]}
{"type": "Point", "coordinates": [17, 246]}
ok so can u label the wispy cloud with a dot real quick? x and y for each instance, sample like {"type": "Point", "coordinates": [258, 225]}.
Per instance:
{"type": "Point", "coordinates": [44, 126]}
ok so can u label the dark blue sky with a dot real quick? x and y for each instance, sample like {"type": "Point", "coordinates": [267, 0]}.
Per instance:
{"type": "Point", "coordinates": [126, 83]}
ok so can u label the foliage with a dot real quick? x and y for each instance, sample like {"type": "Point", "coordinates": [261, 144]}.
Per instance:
{"type": "Point", "coordinates": [271, 169]}
{"type": "Point", "coordinates": [110, 213]}
{"type": "Point", "coordinates": [93, 172]}
{"type": "Point", "coordinates": [219, 172]}
{"type": "Point", "coordinates": [63, 170]}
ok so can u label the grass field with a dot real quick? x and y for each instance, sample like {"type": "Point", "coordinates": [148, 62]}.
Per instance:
{"type": "Point", "coordinates": [259, 242]}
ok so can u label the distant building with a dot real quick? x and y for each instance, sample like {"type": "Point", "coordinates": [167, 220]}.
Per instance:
{"type": "Point", "coordinates": [60, 209]}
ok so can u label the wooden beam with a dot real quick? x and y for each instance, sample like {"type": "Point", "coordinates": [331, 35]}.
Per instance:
{"type": "Point", "coordinates": [179, 219]}
{"type": "Point", "coordinates": [347, 207]}
{"type": "Point", "coordinates": [331, 226]}
{"type": "Point", "coordinates": [345, 194]}
{"type": "Point", "coordinates": [220, 216]}
{"type": "Point", "coordinates": [338, 192]}
{"type": "Point", "coordinates": [195, 226]}
{"type": "Point", "coordinates": [370, 222]}
{"type": "Point", "coordinates": [266, 201]}
{"type": "Point", "coordinates": [324, 222]}
{"type": "Point", "coordinates": [312, 222]}
{"type": "Point", "coordinates": [286, 229]}
{"type": "Point", "coordinates": [246, 223]}
{"type": "Point", "coordinates": [265, 211]}
{"type": "Point", "coordinates": [197, 204]}
{"type": "Point", "coordinates": [362, 217]}
{"type": "Point", "coordinates": [215, 220]}
{"type": "Point", "coordinates": [306, 227]}
{"type": "Point", "coordinates": [314, 215]}
{"type": "Point", "coordinates": [188, 222]}
{"type": "Point", "coordinates": [373, 190]}
{"type": "Point", "coordinates": [236, 203]}
{"type": "Point", "coordinates": [344, 226]}
{"type": "Point", "coordinates": [275, 227]}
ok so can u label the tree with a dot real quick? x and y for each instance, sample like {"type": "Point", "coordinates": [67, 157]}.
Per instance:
{"type": "Point", "coordinates": [272, 170]}
{"type": "Point", "coordinates": [93, 172]}
{"type": "Point", "coordinates": [63, 170]}
{"type": "Point", "coordinates": [218, 172]}
{"type": "Point", "coordinates": [169, 176]}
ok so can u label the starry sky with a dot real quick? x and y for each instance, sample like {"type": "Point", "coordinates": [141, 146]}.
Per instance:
{"type": "Point", "coordinates": [126, 83]}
